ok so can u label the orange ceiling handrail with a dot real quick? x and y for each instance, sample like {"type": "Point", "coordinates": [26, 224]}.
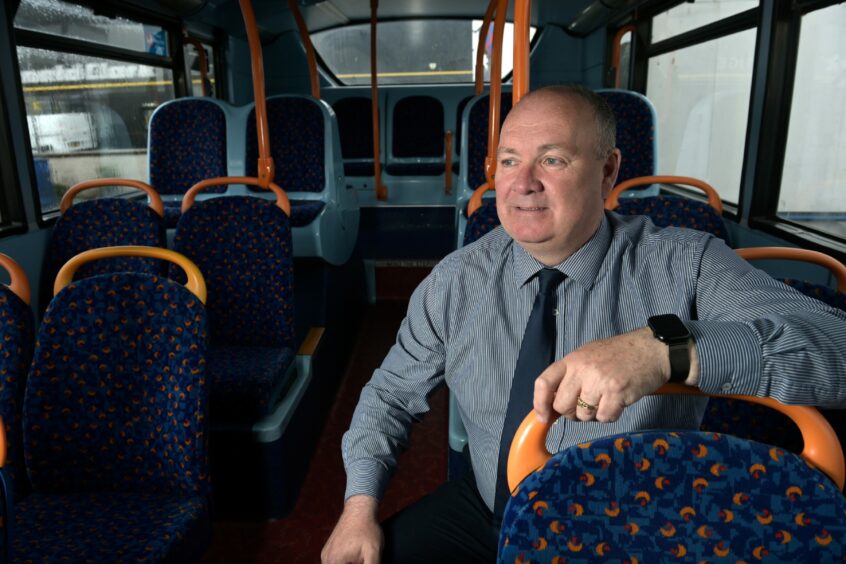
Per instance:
{"type": "Point", "coordinates": [837, 268]}
{"type": "Point", "coordinates": [476, 199]}
{"type": "Point", "coordinates": [822, 447]}
{"type": "Point", "coordinates": [309, 48]}
{"type": "Point", "coordinates": [616, 54]}
{"type": "Point", "coordinates": [495, 100]}
{"type": "Point", "coordinates": [195, 282]}
{"type": "Point", "coordinates": [265, 161]}
{"type": "Point", "coordinates": [282, 200]}
{"type": "Point", "coordinates": [155, 200]}
{"type": "Point", "coordinates": [480, 48]}
{"type": "Point", "coordinates": [522, 18]}
{"type": "Point", "coordinates": [714, 201]}
{"type": "Point", "coordinates": [448, 163]}
{"type": "Point", "coordinates": [381, 189]}
{"type": "Point", "coordinates": [18, 281]}
{"type": "Point", "coordinates": [201, 54]}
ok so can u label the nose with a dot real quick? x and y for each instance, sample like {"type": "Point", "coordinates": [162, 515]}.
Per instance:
{"type": "Point", "coordinates": [526, 181]}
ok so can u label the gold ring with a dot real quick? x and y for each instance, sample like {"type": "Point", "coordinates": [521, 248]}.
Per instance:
{"type": "Point", "coordinates": [582, 403]}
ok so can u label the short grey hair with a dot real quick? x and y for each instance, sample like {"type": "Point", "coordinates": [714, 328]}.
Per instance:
{"type": "Point", "coordinates": [606, 123]}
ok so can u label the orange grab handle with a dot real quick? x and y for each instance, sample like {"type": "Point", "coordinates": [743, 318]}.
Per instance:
{"type": "Point", "coordinates": [448, 164]}
{"type": "Point", "coordinates": [309, 48]}
{"type": "Point", "coordinates": [837, 268]}
{"type": "Point", "coordinates": [522, 16]}
{"type": "Point", "coordinates": [281, 197]}
{"type": "Point", "coordinates": [265, 168]}
{"type": "Point", "coordinates": [476, 199]}
{"type": "Point", "coordinates": [495, 100]}
{"type": "Point", "coordinates": [204, 65]}
{"type": "Point", "coordinates": [196, 284]}
{"type": "Point", "coordinates": [615, 57]}
{"type": "Point", "coordinates": [18, 281]}
{"type": "Point", "coordinates": [822, 448]}
{"type": "Point", "coordinates": [713, 197]}
{"type": "Point", "coordinates": [155, 200]}
{"type": "Point", "coordinates": [480, 48]}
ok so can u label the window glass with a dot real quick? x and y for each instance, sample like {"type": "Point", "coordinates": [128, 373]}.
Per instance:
{"type": "Point", "coordinates": [78, 22]}
{"type": "Point", "coordinates": [87, 118]}
{"type": "Point", "coordinates": [701, 94]}
{"type": "Point", "coordinates": [192, 64]}
{"type": "Point", "coordinates": [622, 78]}
{"type": "Point", "coordinates": [813, 184]}
{"type": "Point", "coordinates": [691, 15]}
{"type": "Point", "coordinates": [411, 52]}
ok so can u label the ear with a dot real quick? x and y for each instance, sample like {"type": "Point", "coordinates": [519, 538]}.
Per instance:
{"type": "Point", "coordinates": [610, 169]}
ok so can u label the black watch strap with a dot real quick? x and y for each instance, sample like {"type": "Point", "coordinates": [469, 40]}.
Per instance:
{"type": "Point", "coordinates": [679, 362]}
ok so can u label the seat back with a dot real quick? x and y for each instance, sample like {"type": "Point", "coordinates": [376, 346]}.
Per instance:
{"type": "Point", "coordinates": [355, 124]}
{"type": "Point", "coordinates": [116, 399]}
{"type": "Point", "coordinates": [416, 138]}
{"type": "Point", "coordinates": [636, 137]}
{"type": "Point", "coordinates": [242, 244]}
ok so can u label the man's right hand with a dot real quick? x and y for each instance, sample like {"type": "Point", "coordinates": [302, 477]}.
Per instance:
{"type": "Point", "coordinates": [357, 537]}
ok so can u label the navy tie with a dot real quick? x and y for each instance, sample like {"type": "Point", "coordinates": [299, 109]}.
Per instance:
{"type": "Point", "coordinates": [536, 353]}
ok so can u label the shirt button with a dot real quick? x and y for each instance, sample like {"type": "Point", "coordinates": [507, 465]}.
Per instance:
{"type": "Point", "coordinates": [555, 311]}
{"type": "Point", "coordinates": [726, 387]}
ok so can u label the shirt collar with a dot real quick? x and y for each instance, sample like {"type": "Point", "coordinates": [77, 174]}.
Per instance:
{"type": "Point", "coordinates": [582, 266]}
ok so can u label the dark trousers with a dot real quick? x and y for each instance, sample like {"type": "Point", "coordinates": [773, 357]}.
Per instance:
{"type": "Point", "coordinates": [452, 524]}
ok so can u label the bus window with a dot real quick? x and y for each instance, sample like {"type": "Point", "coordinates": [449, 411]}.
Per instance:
{"type": "Point", "coordinates": [87, 114]}
{"type": "Point", "coordinates": [814, 174]}
{"type": "Point", "coordinates": [701, 94]}
{"type": "Point", "coordinates": [692, 15]}
{"type": "Point", "coordinates": [410, 51]}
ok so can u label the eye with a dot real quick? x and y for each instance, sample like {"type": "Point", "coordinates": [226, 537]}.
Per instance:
{"type": "Point", "coordinates": [506, 162]}
{"type": "Point", "coordinates": [552, 161]}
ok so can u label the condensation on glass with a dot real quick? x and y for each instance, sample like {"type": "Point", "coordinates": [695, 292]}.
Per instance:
{"type": "Point", "coordinates": [701, 94]}
{"type": "Point", "coordinates": [692, 15]}
{"type": "Point", "coordinates": [813, 182]}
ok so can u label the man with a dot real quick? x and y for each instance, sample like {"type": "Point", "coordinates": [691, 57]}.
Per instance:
{"type": "Point", "coordinates": [556, 164]}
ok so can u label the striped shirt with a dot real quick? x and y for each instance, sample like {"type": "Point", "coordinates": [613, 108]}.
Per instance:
{"type": "Point", "coordinates": [465, 323]}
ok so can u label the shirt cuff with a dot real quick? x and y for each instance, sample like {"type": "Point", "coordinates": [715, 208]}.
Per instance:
{"type": "Point", "coordinates": [366, 477]}
{"type": "Point", "coordinates": [729, 357]}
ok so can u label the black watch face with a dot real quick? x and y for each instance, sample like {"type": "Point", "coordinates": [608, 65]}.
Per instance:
{"type": "Point", "coordinates": [668, 328]}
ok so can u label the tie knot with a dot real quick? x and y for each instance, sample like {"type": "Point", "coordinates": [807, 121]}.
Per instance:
{"type": "Point", "coordinates": [550, 278]}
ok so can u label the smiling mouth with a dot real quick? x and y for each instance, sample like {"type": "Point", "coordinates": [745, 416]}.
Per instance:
{"type": "Point", "coordinates": [530, 209]}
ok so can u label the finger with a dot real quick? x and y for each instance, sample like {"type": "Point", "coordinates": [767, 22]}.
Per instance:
{"type": "Point", "coordinates": [566, 396]}
{"type": "Point", "coordinates": [609, 410]}
{"type": "Point", "coordinates": [586, 407]}
{"type": "Point", "coordinates": [545, 389]}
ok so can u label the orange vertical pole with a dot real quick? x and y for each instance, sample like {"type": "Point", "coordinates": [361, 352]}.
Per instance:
{"type": "Point", "coordinates": [381, 189]}
{"type": "Point", "coordinates": [495, 92]}
{"type": "Point", "coordinates": [522, 17]}
{"type": "Point", "coordinates": [616, 54]}
{"type": "Point", "coordinates": [265, 162]}
{"type": "Point", "coordinates": [480, 49]}
{"type": "Point", "coordinates": [204, 64]}
{"type": "Point", "coordinates": [309, 48]}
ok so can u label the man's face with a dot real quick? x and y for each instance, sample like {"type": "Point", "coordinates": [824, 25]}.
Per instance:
{"type": "Point", "coordinates": [550, 182]}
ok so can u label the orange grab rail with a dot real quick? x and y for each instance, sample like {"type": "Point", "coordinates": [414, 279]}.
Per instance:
{"type": "Point", "coordinates": [204, 64]}
{"type": "Point", "coordinates": [381, 189]}
{"type": "Point", "coordinates": [480, 48]}
{"type": "Point", "coordinates": [822, 447]}
{"type": "Point", "coordinates": [265, 162]}
{"type": "Point", "coordinates": [495, 100]}
{"type": "Point", "coordinates": [448, 164]}
{"type": "Point", "coordinates": [155, 200]}
{"type": "Point", "coordinates": [522, 16]}
{"type": "Point", "coordinates": [476, 199]}
{"type": "Point", "coordinates": [18, 281]}
{"type": "Point", "coordinates": [837, 268]}
{"type": "Point", "coordinates": [282, 200]}
{"type": "Point", "coordinates": [195, 282]}
{"type": "Point", "coordinates": [309, 48]}
{"type": "Point", "coordinates": [615, 56]}
{"type": "Point", "coordinates": [713, 197]}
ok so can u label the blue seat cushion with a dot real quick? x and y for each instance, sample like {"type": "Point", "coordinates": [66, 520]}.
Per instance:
{"type": "Point", "coordinates": [246, 382]}
{"type": "Point", "coordinates": [675, 211]}
{"type": "Point", "coordinates": [110, 527]}
{"type": "Point", "coordinates": [172, 211]}
{"type": "Point", "coordinates": [483, 221]}
{"type": "Point", "coordinates": [304, 212]}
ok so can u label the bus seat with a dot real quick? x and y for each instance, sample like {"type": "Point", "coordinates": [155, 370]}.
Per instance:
{"type": "Point", "coordinates": [416, 137]}
{"type": "Point", "coordinates": [105, 222]}
{"type": "Point", "coordinates": [356, 131]}
{"type": "Point", "coordinates": [114, 416]}
{"type": "Point", "coordinates": [663, 495]}
{"type": "Point", "coordinates": [306, 149]}
{"type": "Point", "coordinates": [16, 347]}
{"type": "Point", "coordinates": [186, 144]}
{"type": "Point", "coordinates": [671, 210]}
{"type": "Point", "coordinates": [757, 422]}
{"type": "Point", "coordinates": [636, 139]}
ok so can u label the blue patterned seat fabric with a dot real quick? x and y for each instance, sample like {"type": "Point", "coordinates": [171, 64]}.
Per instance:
{"type": "Point", "coordinates": [635, 133]}
{"type": "Point", "coordinates": [823, 293]}
{"type": "Point", "coordinates": [675, 211]}
{"type": "Point", "coordinates": [296, 126]}
{"type": "Point", "coordinates": [242, 245]}
{"type": "Point", "coordinates": [483, 220]}
{"type": "Point", "coordinates": [106, 222]}
{"type": "Point", "coordinates": [477, 137]}
{"type": "Point", "coordinates": [18, 327]}
{"type": "Point", "coordinates": [115, 425]}
{"type": "Point", "coordinates": [304, 212]}
{"type": "Point", "coordinates": [187, 144]}
{"type": "Point", "coordinates": [674, 496]}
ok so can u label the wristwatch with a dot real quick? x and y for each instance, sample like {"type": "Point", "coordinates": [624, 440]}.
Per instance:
{"type": "Point", "coordinates": [669, 329]}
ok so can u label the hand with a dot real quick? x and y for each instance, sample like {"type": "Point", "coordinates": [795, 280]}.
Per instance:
{"type": "Point", "coordinates": [609, 374]}
{"type": "Point", "coordinates": [357, 537]}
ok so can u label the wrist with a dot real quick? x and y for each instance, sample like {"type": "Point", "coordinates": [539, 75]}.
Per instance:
{"type": "Point", "coordinates": [676, 341]}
